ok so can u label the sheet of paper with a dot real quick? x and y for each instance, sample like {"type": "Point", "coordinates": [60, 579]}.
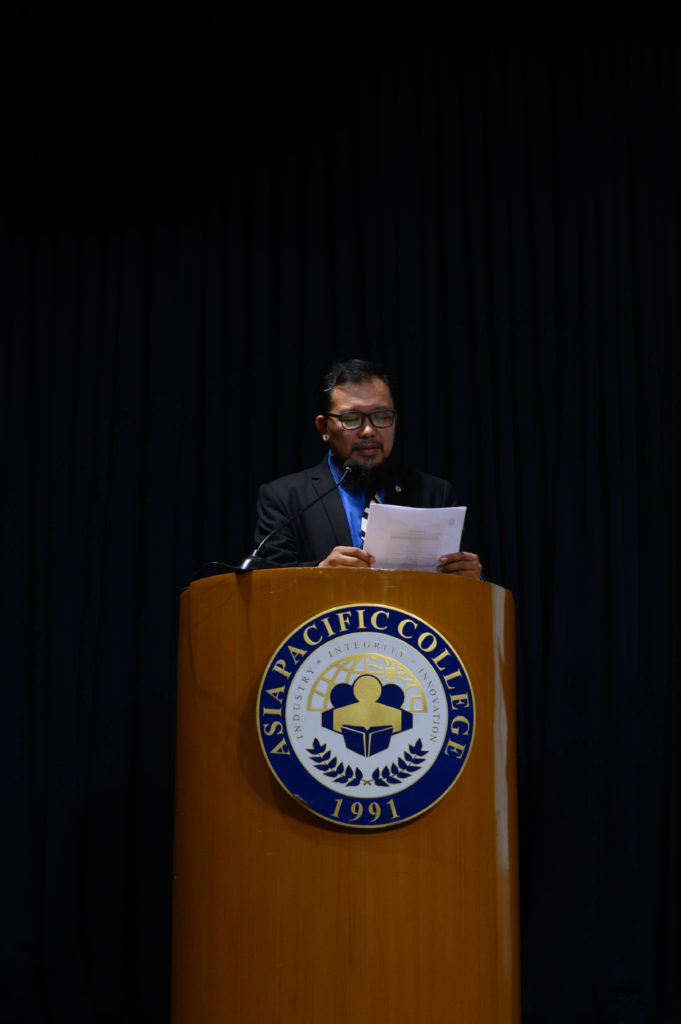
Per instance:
{"type": "Point", "coordinates": [412, 538]}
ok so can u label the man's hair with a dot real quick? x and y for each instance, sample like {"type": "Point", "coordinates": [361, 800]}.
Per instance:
{"type": "Point", "coordinates": [352, 371]}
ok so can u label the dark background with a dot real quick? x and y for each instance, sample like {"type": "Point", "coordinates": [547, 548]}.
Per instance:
{"type": "Point", "coordinates": [196, 220]}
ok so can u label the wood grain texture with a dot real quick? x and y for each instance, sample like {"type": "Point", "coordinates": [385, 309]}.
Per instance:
{"type": "Point", "coordinates": [279, 916]}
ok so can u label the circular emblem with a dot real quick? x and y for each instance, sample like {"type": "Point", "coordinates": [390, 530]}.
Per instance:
{"type": "Point", "coordinates": [366, 715]}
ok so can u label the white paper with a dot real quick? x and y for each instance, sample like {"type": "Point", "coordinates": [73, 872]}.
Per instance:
{"type": "Point", "coordinates": [412, 538]}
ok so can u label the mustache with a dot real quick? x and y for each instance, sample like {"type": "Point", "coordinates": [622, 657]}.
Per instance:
{"type": "Point", "coordinates": [366, 444]}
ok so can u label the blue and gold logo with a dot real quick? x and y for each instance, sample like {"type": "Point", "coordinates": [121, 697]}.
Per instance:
{"type": "Point", "coordinates": [366, 715]}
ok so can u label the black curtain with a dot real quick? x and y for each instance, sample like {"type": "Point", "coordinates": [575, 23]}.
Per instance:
{"type": "Point", "coordinates": [182, 254]}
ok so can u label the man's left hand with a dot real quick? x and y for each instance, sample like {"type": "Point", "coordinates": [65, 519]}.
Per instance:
{"type": "Point", "coordinates": [462, 563]}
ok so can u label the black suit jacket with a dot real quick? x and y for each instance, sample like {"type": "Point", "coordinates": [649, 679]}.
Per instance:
{"type": "Point", "coordinates": [310, 538]}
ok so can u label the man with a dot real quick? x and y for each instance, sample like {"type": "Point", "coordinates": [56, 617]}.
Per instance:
{"type": "Point", "coordinates": [357, 420]}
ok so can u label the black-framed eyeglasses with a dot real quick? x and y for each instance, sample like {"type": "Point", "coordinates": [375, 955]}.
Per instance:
{"type": "Point", "coordinates": [378, 418]}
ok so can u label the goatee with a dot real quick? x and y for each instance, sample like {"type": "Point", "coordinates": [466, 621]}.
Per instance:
{"type": "Point", "coordinates": [368, 478]}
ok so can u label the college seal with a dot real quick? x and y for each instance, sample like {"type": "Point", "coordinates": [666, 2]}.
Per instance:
{"type": "Point", "coordinates": [366, 715]}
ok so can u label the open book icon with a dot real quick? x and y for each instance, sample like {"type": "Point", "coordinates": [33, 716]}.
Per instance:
{"type": "Point", "coordinates": [367, 741]}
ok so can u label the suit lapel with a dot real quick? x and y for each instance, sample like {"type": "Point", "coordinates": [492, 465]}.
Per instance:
{"type": "Point", "coordinates": [395, 493]}
{"type": "Point", "coordinates": [332, 506]}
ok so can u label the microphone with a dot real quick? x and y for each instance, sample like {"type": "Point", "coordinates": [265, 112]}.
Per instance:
{"type": "Point", "coordinates": [253, 561]}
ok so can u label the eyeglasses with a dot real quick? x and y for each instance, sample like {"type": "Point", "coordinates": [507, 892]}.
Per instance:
{"type": "Point", "coordinates": [379, 418]}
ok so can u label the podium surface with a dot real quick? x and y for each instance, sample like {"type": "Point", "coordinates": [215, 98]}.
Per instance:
{"type": "Point", "coordinates": [280, 915]}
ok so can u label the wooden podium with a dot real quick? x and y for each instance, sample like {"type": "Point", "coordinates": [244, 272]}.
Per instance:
{"type": "Point", "coordinates": [281, 916]}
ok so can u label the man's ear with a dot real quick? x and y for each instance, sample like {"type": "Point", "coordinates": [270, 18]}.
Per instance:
{"type": "Point", "coordinates": [320, 424]}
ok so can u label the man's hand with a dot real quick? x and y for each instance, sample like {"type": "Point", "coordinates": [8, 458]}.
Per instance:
{"type": "Point", "coordinates": [347, 558]}
{"type": "Point", "coordinates": [463, 563]}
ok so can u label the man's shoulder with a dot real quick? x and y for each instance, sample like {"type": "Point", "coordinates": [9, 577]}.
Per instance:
{"type": "Point", "coordinates": [409, 475]}
{"type": "Point", "coordinates": [413, 486]}
{"type": "Point", "coordinates": [299, 480]}
{"type": "Point", "coordinates": [404, 485]}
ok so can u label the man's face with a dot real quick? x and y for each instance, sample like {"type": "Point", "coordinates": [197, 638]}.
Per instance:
{"type": "Point", "coordinates": [370, 445]}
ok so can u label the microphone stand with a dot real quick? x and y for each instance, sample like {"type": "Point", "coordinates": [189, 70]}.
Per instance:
{"type": "Point", "coordinates": [254, 561]}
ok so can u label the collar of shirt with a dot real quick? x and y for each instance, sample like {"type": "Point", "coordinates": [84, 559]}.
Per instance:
{"type": "Point", "coordinates": [354, 503]}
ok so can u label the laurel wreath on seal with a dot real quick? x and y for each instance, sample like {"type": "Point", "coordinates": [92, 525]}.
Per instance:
{"type": "Point", "coordinates": [410, 761]}
{"type": "Point", "coordinates": [321, 756]}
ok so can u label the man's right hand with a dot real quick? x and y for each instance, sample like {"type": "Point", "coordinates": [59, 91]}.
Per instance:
{"type": "Point", "coordinates": [347, 558]}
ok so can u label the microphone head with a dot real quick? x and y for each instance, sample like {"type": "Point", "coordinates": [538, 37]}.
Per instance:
{"type": "Point", "coordinates": [350, 466]}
